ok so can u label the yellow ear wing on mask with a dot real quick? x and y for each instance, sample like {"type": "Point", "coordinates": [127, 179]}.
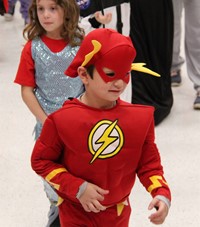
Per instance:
{"type": "Point", "coordinates": [89, 56]}
{"type": "Point", "coordinates": [140, 68]}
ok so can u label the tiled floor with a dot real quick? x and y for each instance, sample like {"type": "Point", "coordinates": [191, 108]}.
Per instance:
{"type": "Point", "coordinates": [23, 202]}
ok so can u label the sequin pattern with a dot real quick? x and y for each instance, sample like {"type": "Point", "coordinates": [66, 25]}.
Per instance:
{"type": "Point", "coordinates": [53, 86]}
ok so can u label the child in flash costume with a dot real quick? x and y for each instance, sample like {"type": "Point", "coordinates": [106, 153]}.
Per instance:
{"type": "Point", "coordinates": [108, 143]}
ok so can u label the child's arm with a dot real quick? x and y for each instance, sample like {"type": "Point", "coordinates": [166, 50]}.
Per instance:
{"type": "Point", "coordinates": [151, 175]}
{"type": "Point", "coordinates": [91, 197]}
{"type": "Point", "coordinates": [45, 161]}
{"type": "Point", "coordinates": [30, 100]}
{"type": "Point", "coordinates": [162, 209]}
{"type": "Point", "coordinates": [25, 77]}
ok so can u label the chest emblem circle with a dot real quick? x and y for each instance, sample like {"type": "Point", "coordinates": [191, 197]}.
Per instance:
{"type": "Point", "coordinates": [105, 140]}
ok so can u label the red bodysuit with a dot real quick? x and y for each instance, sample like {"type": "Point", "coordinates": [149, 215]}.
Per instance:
{"type": "Point", "coordinates": [105, 147]}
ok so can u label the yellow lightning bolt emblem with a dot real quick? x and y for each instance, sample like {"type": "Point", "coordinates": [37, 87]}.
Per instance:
{"type": "Point", "coordinates": [157, 182]}
{"type": "Point", "coordinates": [106, 140]}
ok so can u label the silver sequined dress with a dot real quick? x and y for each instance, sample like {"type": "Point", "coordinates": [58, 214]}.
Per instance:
{"type": "Point", "coordinates": [53, 86]}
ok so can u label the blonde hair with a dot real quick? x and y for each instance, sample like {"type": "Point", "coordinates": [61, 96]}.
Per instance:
{"type": "Point", "coordinates": [71, 31]}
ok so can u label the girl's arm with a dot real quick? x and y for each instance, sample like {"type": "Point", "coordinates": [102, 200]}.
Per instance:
{"type": "Point", "coordinates": [25, 77]}
{"type": "Point", "coordinates": [30, 100]}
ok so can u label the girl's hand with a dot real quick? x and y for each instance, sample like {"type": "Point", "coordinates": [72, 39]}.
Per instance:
{"type": "Point", "coordinates": [161, 213]}
{"type": "Point", "coordinates": [103, 19]}
{"type": "Point", "coordinates": [91, 198]}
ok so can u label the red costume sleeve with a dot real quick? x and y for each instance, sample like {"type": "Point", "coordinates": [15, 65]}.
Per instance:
{"type": "Point", "coordinates": [153, 181]}
{"type": "Point", "coordinates": [46, 154]}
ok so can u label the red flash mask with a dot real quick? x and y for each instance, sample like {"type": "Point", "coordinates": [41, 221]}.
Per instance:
{"type": "Point", "coordinates": [105, 48]}
{"type": "Point", "coordinates": [110, 49]}
{"type": "Point", "coordinates": [120, 64]}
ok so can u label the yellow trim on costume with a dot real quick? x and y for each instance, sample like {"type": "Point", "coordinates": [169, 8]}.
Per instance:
{"type": "Point", "coordinates": [140, 67]}
{"type": "Point", "coordinates": [89, 56]}
{"type": "Point", "coordinates": [120, 207]}
{"type": "Point", "coordinates": [53, 173]}
{"type": "Point", "coordinates": [60, 200]}
{"type": "Point", "coordinates": [157, 182]}
{"type": "Point", "coordinates": [56, 186]}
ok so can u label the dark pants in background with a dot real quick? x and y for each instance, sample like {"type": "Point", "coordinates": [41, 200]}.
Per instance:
{"type": "Point", "coordinates": [152, 34]}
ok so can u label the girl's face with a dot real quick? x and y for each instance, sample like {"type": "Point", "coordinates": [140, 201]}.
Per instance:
{"type": "Point", "coordinates": [101, 94]}
{"type": "Point", "coordinates": [51, 17]}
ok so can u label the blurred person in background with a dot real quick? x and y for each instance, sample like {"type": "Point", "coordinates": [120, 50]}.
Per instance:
{"type": "Point", "coordinates": [24, 7]}
{"type": "Point", "coordinates": [152, 35]}
{"type": "Point", "coordinates": [3, 7]}
{"type": "Point", "coordinates": [191, 22]}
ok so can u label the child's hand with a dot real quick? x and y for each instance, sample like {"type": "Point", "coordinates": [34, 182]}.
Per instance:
{"type": "Point", "coordinates": [162, 209]}
{"type": "Point", "coordinates": [103, 19]}
{"type": "Point", "coordinates": [91, 197]}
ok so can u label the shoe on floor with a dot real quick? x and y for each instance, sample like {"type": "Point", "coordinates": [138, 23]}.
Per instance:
{"type": "Point", "coordinates": [9, 16]}
{"type": "Point", "coordinates": [176, 78]}
{"type": "Point", "coordinates": [26, 21]}
{"type": "Point", "coordinates": [197, 102]}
